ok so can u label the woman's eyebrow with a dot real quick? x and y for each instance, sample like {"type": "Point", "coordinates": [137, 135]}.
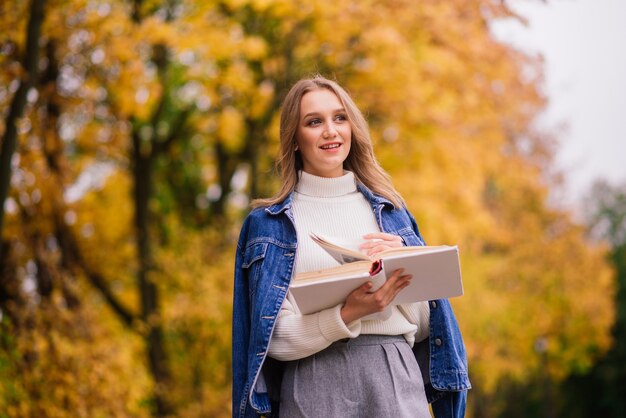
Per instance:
{"type": "Point", "coordinates": [341, 109]}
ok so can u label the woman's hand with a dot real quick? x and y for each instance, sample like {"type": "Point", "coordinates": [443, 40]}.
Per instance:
{"type": "Point", "coordinates": [380, 241]}
{"type": "Point", "coordinates": [362, 302]}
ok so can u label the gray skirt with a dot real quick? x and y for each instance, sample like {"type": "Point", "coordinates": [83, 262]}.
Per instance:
{"type": "Point", "coordinates": [368, 376]}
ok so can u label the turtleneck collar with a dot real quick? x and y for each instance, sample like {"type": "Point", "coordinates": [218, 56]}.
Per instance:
{"type": "Point", "coordinates": [315, 186]}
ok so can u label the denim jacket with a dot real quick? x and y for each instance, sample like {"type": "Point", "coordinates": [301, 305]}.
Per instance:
{"type": "Point", "coordinates": [264, 267]}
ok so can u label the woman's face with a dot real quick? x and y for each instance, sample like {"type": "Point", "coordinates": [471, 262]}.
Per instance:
{"type": "Point", "coordinates": [324, 133]}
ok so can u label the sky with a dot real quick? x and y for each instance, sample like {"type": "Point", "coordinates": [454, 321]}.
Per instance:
{"type": "Point", "coordinates": [583, 43]}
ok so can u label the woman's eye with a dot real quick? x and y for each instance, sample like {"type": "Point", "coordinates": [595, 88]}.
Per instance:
{"type": "Point", "coordinates": [341, 117]}
{"type": "Point", "coordinates": [314, 122]}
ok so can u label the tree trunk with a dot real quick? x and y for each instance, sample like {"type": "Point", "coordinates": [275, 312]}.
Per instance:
{"type": "Point", "coordinates": [143, 160]}
{"type": "Point", "coordinates": [144, 155]}
{"type": "Point", "coordinates": [9, 139]}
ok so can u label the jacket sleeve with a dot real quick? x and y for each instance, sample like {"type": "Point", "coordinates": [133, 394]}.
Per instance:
{"type": "Point", "coordinates": [442, 357]}
{"type": "Point", "coordinates": [240, 326]}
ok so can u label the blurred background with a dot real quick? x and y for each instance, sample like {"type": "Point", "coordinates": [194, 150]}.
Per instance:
{"type": "Point", "coordinates": [135, 132]}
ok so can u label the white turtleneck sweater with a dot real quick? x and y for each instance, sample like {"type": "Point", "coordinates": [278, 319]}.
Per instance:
{"type": "Point", "coordinates": [333, 207]}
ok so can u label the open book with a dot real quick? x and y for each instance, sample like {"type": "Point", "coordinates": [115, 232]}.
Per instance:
{"type": "Point", "coordinates": [435, 269]}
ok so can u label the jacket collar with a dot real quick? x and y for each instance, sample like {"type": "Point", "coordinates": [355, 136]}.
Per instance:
{"type": "Point", "coordinates": [374, 199]}
{"type": "Point", "coordinates": [280, 207]}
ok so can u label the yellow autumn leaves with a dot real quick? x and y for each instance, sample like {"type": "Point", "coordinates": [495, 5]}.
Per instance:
{"type": "Point", "coordinates": [451, 112]}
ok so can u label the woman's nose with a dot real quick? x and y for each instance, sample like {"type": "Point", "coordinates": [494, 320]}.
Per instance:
{"type": "Point", "coordinates": [330, 131]}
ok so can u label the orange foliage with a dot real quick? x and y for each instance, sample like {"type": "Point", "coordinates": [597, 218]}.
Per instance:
{"type": "Point", "coordinates": [451, 112]}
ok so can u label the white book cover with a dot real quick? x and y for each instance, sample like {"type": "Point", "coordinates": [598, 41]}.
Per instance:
{"type": "Point", "coordinates": [436, 275]}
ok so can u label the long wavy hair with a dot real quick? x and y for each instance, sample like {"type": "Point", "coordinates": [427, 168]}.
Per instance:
{"type": "Point", "coordinates": [361, 160]}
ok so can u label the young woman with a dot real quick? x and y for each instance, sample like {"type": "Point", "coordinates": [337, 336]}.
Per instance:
{"type": "Point", "coordinates": [335, 363]}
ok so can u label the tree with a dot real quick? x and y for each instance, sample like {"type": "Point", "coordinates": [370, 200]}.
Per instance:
{"type": "Point", "coordinates": [154, 125]}
{"type": "Point", "coordinates": [601, 390]}
{"type": "Point", "coordinates": [25, 82]}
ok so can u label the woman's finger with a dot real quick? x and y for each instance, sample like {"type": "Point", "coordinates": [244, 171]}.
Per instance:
{"type": "Point", "coordinates": [399, 288]}
{"type": "Point", "coordinates": [391, 292]}
{"type": "Point", "coordinates": [374, 243]}
{"type": "Point", "coordinates": [378, 248]}
{"type": "Point", "coordinates": [364, 288]}
{"type": "Point", "coordinates": [393, 280]}
{"type": "Point", "coordinates": [362, 301]}
{"type": "Point", "coordinates": [382, 235]}
{"type": "Point", "coordinates": [379, 242]}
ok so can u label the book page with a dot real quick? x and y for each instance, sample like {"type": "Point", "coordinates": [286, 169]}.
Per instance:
{"type": "Point", "coordinates": [347, 253]}
{"type": "Point", "coordinates": [339, 272]}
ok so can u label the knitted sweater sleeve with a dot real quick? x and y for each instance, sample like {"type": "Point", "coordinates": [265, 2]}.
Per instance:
{"type": "Point", "coordinates": [297, 336]}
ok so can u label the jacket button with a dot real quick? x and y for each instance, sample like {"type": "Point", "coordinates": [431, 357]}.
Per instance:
{"type": "Point", "coordinates": [438, 342]}
{"type": "Point", "coordinates": [433, 304]}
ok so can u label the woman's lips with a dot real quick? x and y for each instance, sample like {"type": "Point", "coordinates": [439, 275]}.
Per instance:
{"type": "Point", "coordinates": [332, 146]}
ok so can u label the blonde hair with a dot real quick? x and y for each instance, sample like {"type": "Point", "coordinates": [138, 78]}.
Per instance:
{"type": "Point", "coordinates": [361, 160]}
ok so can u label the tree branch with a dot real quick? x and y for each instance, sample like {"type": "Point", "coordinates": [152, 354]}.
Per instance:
{"type": "Point", "coordinates": [73, 257]}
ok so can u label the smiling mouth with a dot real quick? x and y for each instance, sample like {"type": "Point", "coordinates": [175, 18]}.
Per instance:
{"type": "Point", "coordinates": [330, 146]}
